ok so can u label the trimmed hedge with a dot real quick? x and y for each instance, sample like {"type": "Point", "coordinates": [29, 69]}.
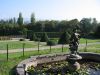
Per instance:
{"type": "Point", "coordinates": [64, 39]}
{"type": "Point", "coordinates": [50, 34]}
{"type": "Point", "coordinates": [33, 37]}
{"type": "Point", "coordinates": [44, 38]}
{"type": "Point", "coordinates": [51, 43]}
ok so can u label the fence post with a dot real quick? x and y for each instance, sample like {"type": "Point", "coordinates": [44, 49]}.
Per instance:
{"type": "Point", "coordinates": [86, 47]}
{"type": "Point", "coordinates": [38, 46]}
{"type": "Point", "coordinates": [23, 49]}
{"type": "Point", "coordinates": [50, 48]}
{"type": "Point", "coordinates": [62, 47]}
{"type": "Point", "coordinates": [7, 52]}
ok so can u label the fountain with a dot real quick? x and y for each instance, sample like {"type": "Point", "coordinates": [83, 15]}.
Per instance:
{"type": "Point", "coordinates": [62, 63]}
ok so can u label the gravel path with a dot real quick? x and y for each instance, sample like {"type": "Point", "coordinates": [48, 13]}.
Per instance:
{"type": "Point", "coordinates": [44, 48]}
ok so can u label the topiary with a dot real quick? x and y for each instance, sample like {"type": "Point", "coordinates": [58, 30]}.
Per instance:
{"type": "Point", "coordinates": [37, 39]}
{"type": "Point", "coordinates": [29, 34]}
{"type": "Point", "coordinates": [44, 38]}
{"type": "Point", "coordinates": [33, 37]}
{"type": "Point", "coordinates": [64, 39]}
{"type": "Point", "coordinates": [51, 43]}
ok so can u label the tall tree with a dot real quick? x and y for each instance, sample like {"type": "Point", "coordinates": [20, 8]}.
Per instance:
{"type": "Point", "coordinates": [14, 20]}
{"type": "Point", "coordinates": [11, 21]}
{"type": "Point", "coordinates": [49, 26]}
{"type": "Point", "coordinates": [32, 19]}
{"type": "Point", "coordinates": [20, 19]}
{"type": "Point", "coordinates": [85, 26]}
{"type": "Point", "coordinates": [97, 31]}
{"type": "Point", "coordinates": [39, 27]}
{"type": "Point", "coordinates": [62, 25]}
{"type": "Point", "coordinates": [74, 23]}
{"type": "Point", "coordinates": [94, 25]}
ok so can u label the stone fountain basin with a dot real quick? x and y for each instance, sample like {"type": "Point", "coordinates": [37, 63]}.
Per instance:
{"type": "Point", "coordinates": [35, 60]}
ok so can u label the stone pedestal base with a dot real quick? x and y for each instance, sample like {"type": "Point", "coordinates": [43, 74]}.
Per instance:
{"type": "Point", "coordinates": [74, 67]}
{"type": "Point", "coordinates": [72, 62]}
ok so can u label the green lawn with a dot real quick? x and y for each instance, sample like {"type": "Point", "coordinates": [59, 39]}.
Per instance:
{"type": "Point", "coordinates": [90, 48]}
{"type": "Point", "coordinates": [32, 44]}
{"type": "Point", "coordinates": [95, 48]}
{"type": "Point", "coordinates": [83, 40]}
{"type": "Point", "coordinates": [54, 39]}
{"type": "Point", "coordinates": [30, 53]}
{"type": "Point", "coordinates": [7, 67]}
{"type": "Point", "coordinates": [18, 44]}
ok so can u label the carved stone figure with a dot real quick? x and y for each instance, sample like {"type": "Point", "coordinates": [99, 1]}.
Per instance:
{"type": "Point", "coordinates": [74, 42]}
{"type": "Point", "coordinates": [74, 56]}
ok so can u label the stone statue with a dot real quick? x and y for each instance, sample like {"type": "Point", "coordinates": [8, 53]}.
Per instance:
{"type": "Point", "coordinates": [74, 56]}
{"type": "Point", "coordinates": [74, 42]}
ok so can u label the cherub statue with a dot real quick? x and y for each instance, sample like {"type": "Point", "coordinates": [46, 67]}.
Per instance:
{"type": "Point", "coordinates": [74, 42]}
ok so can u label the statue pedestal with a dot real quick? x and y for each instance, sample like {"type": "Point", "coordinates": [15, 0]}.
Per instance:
{"type": "Point", "coordinates": [74, 57]}
{"type": "Point", "coordinates": [72, 62]}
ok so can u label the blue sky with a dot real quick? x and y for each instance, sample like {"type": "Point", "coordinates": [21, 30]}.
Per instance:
{"type": "Point", "coordinates": [50, 9]}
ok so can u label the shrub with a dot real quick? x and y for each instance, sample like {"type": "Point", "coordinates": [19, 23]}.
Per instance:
{"type": "Point", "coordinates": [29, 34]}
{"type": "Point", "coordinates": [31, 70]}
{"type": "Point", "coordinates": [54, 39]}
{"type": "Point", "coordinates": [44, 38]}
{"type": "Point", "coordinates": [37, 39]}
{"type": "Point", "coordinates": [64, 39]}
{"type": "Point", "coordinates": [33, 37]}
{"type": "Point", "coordinates": [22, 39]}
{"type": "Point", "coordinates": [51, 43]}
{"type": "Point", "coordinates": [97, 32]}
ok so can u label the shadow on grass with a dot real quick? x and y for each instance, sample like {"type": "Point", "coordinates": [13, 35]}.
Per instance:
{"type": "Point", "coordinates": [13, 71]}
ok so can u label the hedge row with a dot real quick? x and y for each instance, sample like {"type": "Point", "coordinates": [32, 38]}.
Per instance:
{"type": "Point", "coordinates": [49, 34]}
